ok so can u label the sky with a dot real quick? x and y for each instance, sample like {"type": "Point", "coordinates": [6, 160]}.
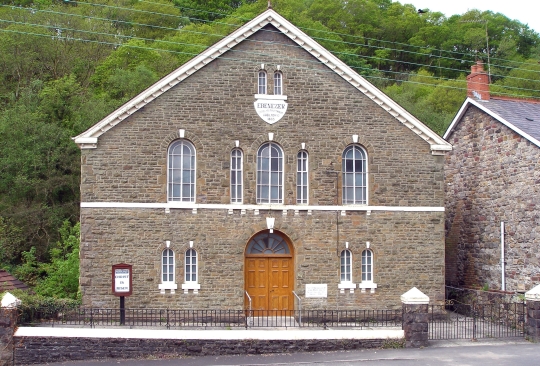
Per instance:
{"type": "Point", "coordinates": [526, 11]}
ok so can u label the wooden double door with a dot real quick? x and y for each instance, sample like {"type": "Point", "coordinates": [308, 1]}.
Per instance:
{"type": "Point", "coordinates": [269, 278]}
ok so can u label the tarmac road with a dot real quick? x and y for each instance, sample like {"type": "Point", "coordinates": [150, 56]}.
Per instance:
{"type": "Point", "coordinates": [440, 353]}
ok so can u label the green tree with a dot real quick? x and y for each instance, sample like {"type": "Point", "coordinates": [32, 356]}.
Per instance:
{"type": "Point", "coordinates": [61, 278]}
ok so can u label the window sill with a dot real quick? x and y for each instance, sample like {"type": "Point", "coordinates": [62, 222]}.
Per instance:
{"type": "Point", "coordinates": [191, 286]}
{"type": "Point", "coordinates": [271, 96]}
{"type": "Point", "coordinates": [342, 286]}
{"type": "Point", "coordinates": [367, 285]}
{"type": "Point", "coordinates": [167, 286]}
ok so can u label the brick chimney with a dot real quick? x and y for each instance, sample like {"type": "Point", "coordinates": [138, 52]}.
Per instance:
{"type": "Point", "coordinates": [478, 82]}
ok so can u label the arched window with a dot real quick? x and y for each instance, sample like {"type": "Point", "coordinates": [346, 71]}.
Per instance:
{"type": "Point", "coordinates": [181, 171]}
{"type": "Point", "coordinates": [267, 243]}
{"type": "Point", "coordinates": [191, 265]}
{"type": "Point", "coordinates": [346, 264]}
{"type": "Point", "coordinates": [302, 177]}
{"type": "Point", "coordinates": [270, 174]}
{"type": "Point", "coordinates": [236, 176]}
{"type": "Point", "coordinates": [278, 84]}
{"type": "Point", "coordinates": [354, 169]}
{"type": "Point", "coordinates": [367, 266]}
{"type": "Point", "coordinates": [262, 82]}
{"type": "Point", "coordinates": [167, 266]}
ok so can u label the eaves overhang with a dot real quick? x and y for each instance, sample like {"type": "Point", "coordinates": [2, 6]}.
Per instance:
{"type": "Point", "coordinates": [468, 102]}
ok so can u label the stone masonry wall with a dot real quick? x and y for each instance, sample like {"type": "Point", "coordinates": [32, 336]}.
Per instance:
{"type": "Point", "coordinates": [402, 243]}
{"type": "Point", "coordinates": [34, 350]}
{"type": "Point", "coordinates": [215, 108]}
{"type": "Point", "coordinates": [492, 175]}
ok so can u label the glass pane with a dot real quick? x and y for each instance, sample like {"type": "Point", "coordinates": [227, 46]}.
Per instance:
{"type": "Point", "coordinates": [275, 179]}
{"type": "Point", "coordinates": [186, 191]}
{"type": "Point", "coordinates": [265, 178]}
{"type": "Point", "coordinates": [188, 260]}
{"type": "Point", "coordinates": [348, 165]}
{"type": "Point", "coordinates": [265, 164]}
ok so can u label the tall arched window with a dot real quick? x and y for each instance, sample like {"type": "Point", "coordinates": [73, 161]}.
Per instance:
{"type": "Point", "coordinates": [302, 177]}
{"type": "Point", "coordinates": [236, 176]}
{"type": "Point", "coordinates": [354, 169]}
{"type": "Point", "coordinates": [367, 266]}
{"type": "Point", "coordinates": [191, 266]}
{"type": "Point", "coordinates": [167, 266]}
{"type": "Point", "coordinates": [278, 83]}
{"type": "Point", "coordinates": [262, 82]}
{"type": "Point", "coordinates": [181, 171]}
{"type": "Point", "coordinates": [270, 174]}
{"type": "Point", "coordinates": [346, 264]}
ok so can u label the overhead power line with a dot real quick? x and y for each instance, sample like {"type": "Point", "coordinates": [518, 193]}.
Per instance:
{"type": "Point", "coordinates": [314, 37]}
{"type": "Point", "coordinates": [228, 58]}
{"type": "Point", "coordinates": [335, 52]}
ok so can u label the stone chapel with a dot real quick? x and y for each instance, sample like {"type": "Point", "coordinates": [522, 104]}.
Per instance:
{"type": "Point", "coordinates": [263, 170]}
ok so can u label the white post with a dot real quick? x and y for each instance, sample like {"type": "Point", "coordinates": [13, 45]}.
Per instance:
{"type": "Point", "coordinates": [503, 281]}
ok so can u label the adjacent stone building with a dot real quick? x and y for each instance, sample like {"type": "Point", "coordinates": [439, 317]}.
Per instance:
{"type": "Point", "coordinates": [493, 191]}
{"type": "Point", "coordinates": [262, 169]}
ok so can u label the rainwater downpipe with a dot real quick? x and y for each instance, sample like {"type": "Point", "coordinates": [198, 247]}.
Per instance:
{"type": "Point", "coordinates": [503, 280]}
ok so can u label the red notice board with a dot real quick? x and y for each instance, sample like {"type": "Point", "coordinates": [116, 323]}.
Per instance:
{"type": "Point", "coordinates": [122, 284]}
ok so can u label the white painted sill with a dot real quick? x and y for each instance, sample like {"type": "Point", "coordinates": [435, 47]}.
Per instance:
{"type": "Point", "coordinates": [191, 286]}
{"type": "Point", "coordinates": [271, 96]}
{"type": "Point", "coordinates": [367, 285]}
{"type": "Point", "coordinates": [342, 286]}
{"type": "Point", "coordinates": [168, 286]}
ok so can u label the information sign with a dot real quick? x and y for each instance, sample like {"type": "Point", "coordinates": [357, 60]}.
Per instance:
{"type": "Point", "coordinates": [122, 279]}
{"type": "Point", "coordinates": [317, 290]}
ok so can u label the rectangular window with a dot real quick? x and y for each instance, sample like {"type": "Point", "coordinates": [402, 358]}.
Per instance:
{"type": "Point", "coordinates": [236, 176]}
{"type": "Point", "coordinates": [302, 178]}
{"type": "Point", "coordinates": [278, 89]}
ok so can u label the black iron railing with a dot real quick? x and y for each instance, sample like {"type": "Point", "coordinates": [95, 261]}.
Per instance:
{"type": "Point", "coordinates": [473, 321]}
{"type": "Point", "coordinates": [204, 319]}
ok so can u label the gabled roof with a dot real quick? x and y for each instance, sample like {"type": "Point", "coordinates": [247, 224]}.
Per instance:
{"type": "Point", "coordinates": [521, 116]}
{"type": "Point", "coordinates": [89, 138]}
{"type": "Point", "coordinates": [8, 282]}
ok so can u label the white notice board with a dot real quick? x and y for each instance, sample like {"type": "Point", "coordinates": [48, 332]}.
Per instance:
{"type": "Point", "coordinates": [121, 280]}
{"type": "Point", "coordinates": [317, 290]}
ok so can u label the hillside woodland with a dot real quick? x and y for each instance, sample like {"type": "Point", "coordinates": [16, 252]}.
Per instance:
{"type": "Point", "coordinates": [66, 64]}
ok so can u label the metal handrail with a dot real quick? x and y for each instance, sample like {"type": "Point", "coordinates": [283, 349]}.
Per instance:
{"type": "Point", "coordinates": [299, 308]}
{"type": "Point", "coordinates": [249, 309]}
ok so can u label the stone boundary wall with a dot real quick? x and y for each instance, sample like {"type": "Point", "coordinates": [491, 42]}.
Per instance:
{"type": "Point", "coordinates": [8, 320]}
{"type": "Point", "coordinates": [37, 350]}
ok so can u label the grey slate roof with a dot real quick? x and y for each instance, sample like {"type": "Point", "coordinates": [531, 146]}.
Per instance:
{"type": "Point", "coordinates": [522, 114]}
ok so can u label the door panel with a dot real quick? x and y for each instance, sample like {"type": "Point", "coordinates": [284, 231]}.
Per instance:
{"type": "Point", "coordinates": [269, 283]}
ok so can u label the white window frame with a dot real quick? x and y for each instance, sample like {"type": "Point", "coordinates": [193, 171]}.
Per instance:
{"type": "Point", "coordinates": [171, 171]}
{"type": "Point", "coordinates": [237, 171]}
{"type": "Point", "coordinates": [262, 82]}
{"type": "Point", "coordinates": [191, 284]}
{"type": "Point", "coordinates": [346, 271]}
{"type": "Point", "coordinates": [355, 180]}
{"type": "Point", "coordinates": [302, 177]}
{"type": "Point", "coordinates": [278, 83]}
{"type": "Point", "coordinates": [262, 172]}
{"type": "Point", "coordinates": [167, 255]}
{"type": "Point", "coordinates": [367, 275]}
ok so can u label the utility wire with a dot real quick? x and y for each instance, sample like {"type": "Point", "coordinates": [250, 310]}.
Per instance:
{"type": "Point", "coordinates": [335, 52]}
{"type": "Point", "coordinates": [314, 37]}
{"type": "Point", "coordinates": [236, 60]}
{"type": "Point", "coordinates": [354, 36]}
{"type": "Point", "coordinates": [58, 30]}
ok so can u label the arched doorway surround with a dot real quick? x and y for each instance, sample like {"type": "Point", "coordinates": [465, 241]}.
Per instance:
{"type": "Point", "coordinates": [269, 271]}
